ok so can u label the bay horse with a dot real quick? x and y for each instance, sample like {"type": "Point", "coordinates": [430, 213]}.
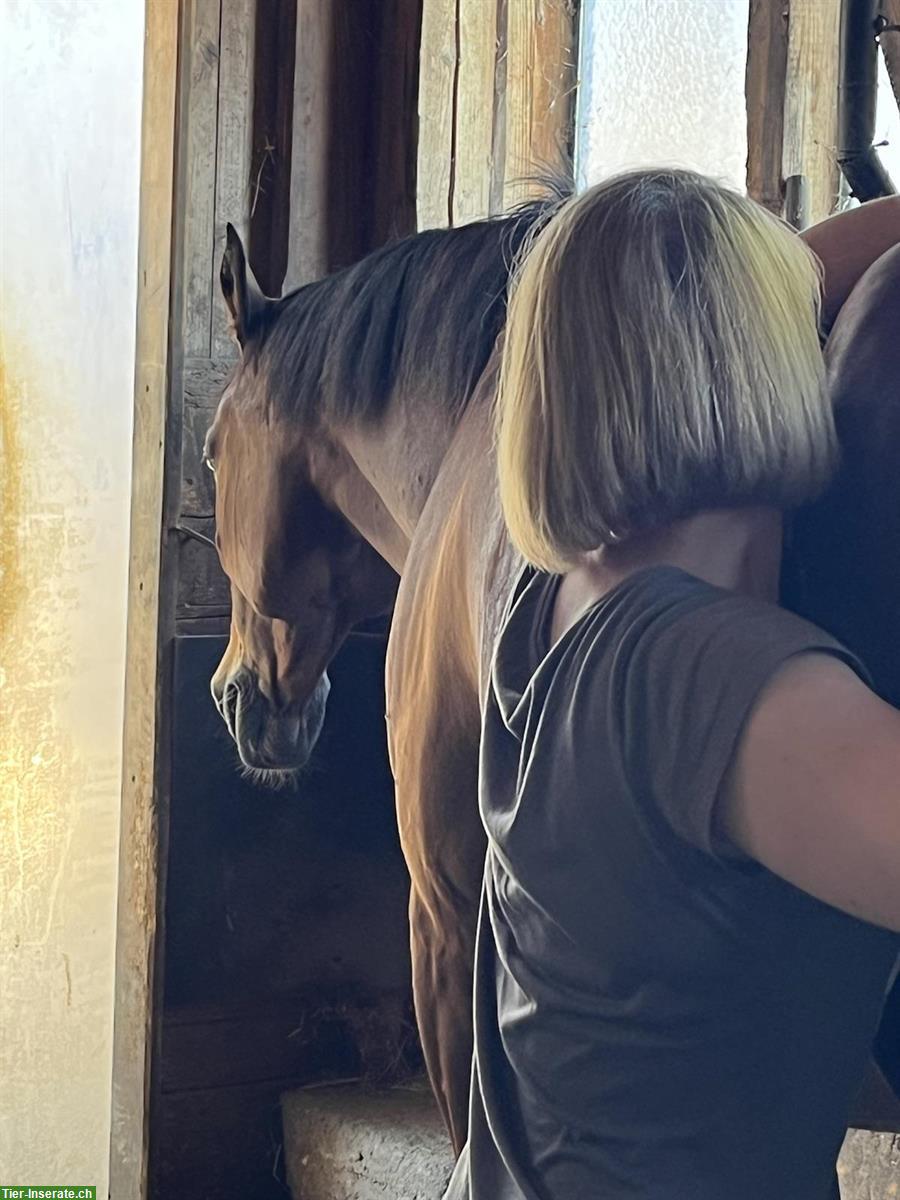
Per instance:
{"type": "Point", "coordinates": [353, 454]}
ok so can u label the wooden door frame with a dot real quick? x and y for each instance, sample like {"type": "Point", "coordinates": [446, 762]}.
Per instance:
{"type": "Point", "coordinates": [138, 923]}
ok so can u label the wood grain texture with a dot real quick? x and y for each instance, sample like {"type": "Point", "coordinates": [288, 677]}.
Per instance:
{"type": "Point", "coordinates": [234, 139]}
{"type": "Point", "coordinates": [475, 109]}
{"type": "Point", "coordinates": [437, 114]}
{"type": "Point", "coordinates": [811, 102]}
{"type": "Point", "coordinates": [394, 133]}
{"type": "Point", "coordinates": [767, 46]}
{"type": "Point", "coordinates": [203, 587]}
{"type": "Point", "coordinates": [202, 48]}
{"type": "Point", "coordinates": [540, 84]}
{"type": "Point", "coordinates": [308, 229]}
{"type": "Point", "coordinates": [136, 930]}
{"type": "Point", "coordinates": [203, 382]}
{"type": "Point", "coordinates": [273, 104]}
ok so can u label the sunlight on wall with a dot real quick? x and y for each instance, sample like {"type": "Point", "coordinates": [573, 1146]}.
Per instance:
{"type": "Point", "coordinates": [71, 83]}
{"type": "Point", "coordinates": [662, 82]}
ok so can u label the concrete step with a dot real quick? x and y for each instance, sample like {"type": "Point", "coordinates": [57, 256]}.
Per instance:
{"type": "Point", "coordinates": [347, 1143]}
{"type": "Point", "coordinates": [869, 1166]}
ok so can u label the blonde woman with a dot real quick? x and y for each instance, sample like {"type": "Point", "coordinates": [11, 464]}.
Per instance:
{"type": "Point", "coordinates": [691, 796]}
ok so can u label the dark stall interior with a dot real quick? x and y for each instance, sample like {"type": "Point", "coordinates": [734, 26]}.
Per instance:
{"type": "Point", "coordinates": [286, 954]}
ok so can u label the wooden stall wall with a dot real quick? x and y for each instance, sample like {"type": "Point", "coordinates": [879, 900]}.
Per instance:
{"type": "Point", "coordinates": [496, 104]}
{"type": "Point", "coordinates": [793, 65]}
{"type": "Point", "coordinates": [286, 956]}
{"type": "Point", "coordinates": [793, 94]}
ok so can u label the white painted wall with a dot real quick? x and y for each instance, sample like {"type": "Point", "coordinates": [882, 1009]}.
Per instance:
{"type": "Point", "coordinates": [662, 82]}
{"type": "Point", "coordinates": [71, 91]}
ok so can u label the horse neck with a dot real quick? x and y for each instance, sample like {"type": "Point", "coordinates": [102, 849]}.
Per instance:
{"type": "Point", "coordinates": [401, 454]}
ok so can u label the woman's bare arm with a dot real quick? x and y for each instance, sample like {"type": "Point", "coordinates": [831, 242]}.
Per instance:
{"type": "Point", "coordinates": [814, 791]}
{"type": "Point", "coordinates": [848, 244]}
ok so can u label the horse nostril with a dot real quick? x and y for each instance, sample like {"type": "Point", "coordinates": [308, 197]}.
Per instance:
{"type": "Point", "coordinates": [229, 706]}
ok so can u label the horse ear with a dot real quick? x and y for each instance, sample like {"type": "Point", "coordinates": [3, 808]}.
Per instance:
{"type": "Point", "coordinates": [242, 295]}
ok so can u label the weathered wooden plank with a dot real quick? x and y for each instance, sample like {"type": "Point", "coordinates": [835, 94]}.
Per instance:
{"type": "Point", "coordinates": [540, 83]}
{"type": "Point", "coordinates": [273, 103]}
{"type": "Point", "coordinates": [439, 57]}
{"type": "Point", "coordinates": [810, 103]}
{"type": "Point", "coordinates": [475, 109]}
{"type": "Point", "coordinates": [294, 1039]}
{"type": "Point", "coordinates": [233, 147]}
{"type": "Point", "coordinates": [308, 233]}
{"type": "Point", "coordinates": [203, 588]}
{"type": "Point", "coordinates": [396, 70]}
{"type": "Point", "coordinates": [498, 115]}
{"type": "Point", "coordinates": [767, 46]}
{"type": "Point", "coordinates": [205, 379]}
{"type": "Point", "coordinates": [202, 48]}
{"type": "Point", "coordinates": [138, 893]}
{"type": "Point", "coordinates": [198, 496]}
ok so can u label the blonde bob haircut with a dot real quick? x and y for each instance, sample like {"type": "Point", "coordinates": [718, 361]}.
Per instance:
{"type": "Point", "coordinates": [661, 357]}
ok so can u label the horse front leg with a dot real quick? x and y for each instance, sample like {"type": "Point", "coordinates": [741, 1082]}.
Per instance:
{"type": "Point", "coordinates": [436, 778]}
{"type": "Point", "coordinates": [442, 945]}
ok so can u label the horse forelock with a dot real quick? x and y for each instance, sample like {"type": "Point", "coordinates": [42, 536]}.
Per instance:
{"type": "Point", "coordinates": [424, 312]}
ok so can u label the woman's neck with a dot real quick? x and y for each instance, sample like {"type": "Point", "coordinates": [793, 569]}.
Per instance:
{"type": "Point", "coordinates": [738, 549]}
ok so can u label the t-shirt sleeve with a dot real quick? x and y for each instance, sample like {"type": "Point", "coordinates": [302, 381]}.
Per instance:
{"type": "Point", "coordinates": [685, 695]}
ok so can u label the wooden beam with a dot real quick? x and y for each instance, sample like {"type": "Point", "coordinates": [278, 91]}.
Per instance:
{"type": "Point", "coordinates": [439, 60]}
{"type": "Point", "coordinates": [767, 52]}
{"type": "Point", "coordinates": [541, 72]}
{"type": "Point", "coordinates": [273, 108]}
{"type": "Point", "coordinates": [475, 109]}
{"type": "Point", "coordinates": [201, 46]}
{"type": "Point", "coordinates": [234, 147]}
{"type": "Point", "coordinates": [308, 233]}
{"type": "Point", "coordinates": [395, 127]}
{"type": "Point", "coordinates": [811, 103]}
{"type": "Point", "coordinates": [138, 894]}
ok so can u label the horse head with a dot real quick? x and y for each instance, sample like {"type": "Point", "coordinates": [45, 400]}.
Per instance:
{"type": "Point", "coordinates": [301, 574]}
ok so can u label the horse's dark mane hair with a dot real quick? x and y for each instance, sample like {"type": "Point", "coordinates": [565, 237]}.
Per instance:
{"type": "Point", "coordinates": [424, 312]}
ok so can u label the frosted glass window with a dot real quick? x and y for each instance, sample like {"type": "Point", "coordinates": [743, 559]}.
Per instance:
{"type": "Point", "coordinates": [662, 82]}
{"type": "Point", "coordinates": [887, 125]}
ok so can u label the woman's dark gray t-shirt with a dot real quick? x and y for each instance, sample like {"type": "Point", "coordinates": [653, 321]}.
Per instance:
{"type": "Point", "coordinates": [655, 1019]}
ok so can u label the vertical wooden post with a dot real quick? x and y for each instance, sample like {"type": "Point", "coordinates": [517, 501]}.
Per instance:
{"type": "Point", "coordinates": [540, 81]}
{"type": "Point", "coordinates": [234, 145]}
{"type": "Point", "coordinates": [273, 117]}
{"type": "Point", "coordinates": [475, 110]}
{"type": "Point", "coordinates": [767, 49]}
{"type": "Point", "coordinates": [135, 1015]}
{"type": "Point", "coordinates": [811, 102]}
{"type": "Point", "coordinates": [201, 49]}
{"type": "Point", "coordinates": [438, 79]}
{"type": "Point", "coordinates": [496, 104]}
{"type": "Point", "coordinates": [308, 233]}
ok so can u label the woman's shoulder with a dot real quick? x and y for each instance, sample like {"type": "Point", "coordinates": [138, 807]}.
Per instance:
{"type": "Point", "coordinates": [667, 620]}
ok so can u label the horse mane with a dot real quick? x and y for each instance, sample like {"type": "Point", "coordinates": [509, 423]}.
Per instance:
{"type": "Point", "coordinates": [424, 312]}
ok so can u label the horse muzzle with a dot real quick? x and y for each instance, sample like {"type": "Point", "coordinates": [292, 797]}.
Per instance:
{"type": "Point", "coordinates": [270, 739]}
